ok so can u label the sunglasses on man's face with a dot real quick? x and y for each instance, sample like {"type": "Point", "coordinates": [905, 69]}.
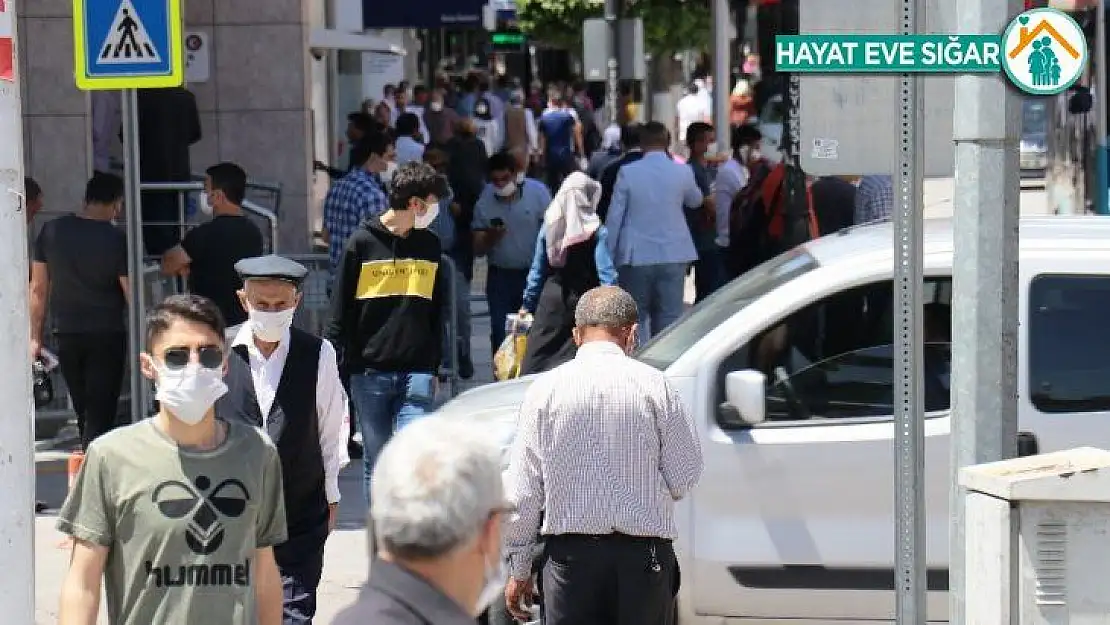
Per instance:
{"type": "Point", "coordinates": [209, 357]}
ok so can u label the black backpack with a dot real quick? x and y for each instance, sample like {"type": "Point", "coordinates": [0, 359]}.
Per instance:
{"type": "Point", "coordinates": [748, 220]}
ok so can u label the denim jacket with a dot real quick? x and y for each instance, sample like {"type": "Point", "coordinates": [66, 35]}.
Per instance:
{"type": "Point", "coordinates": [541, 267]}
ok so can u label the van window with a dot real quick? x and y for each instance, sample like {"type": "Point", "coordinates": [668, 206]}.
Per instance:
{"type": "Point", "coordinates": [725, 302]}
{"type": "Point", "coordinates": [1069, 355]}
{"type": "Point", "coordinates": [835, 358]}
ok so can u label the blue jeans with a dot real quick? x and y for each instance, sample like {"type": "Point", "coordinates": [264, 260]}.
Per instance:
{"type": "Point", "coordinates": [385, 402]}
{"type": "Point", "coordinates": [505, 296]}
{"type": "Point", "coordinates": [658, 291]}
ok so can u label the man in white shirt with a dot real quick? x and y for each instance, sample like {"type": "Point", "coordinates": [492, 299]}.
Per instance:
{"type": "Point", "coordinates": [286, 382]}
{"type": "Point", "coordinates": [608, 517]}
{"type": "Point", "coordinates": [693, 107]}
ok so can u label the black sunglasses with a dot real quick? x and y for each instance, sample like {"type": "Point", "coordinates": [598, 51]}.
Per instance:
{"type": "Point", "coordinates": [209, 357]}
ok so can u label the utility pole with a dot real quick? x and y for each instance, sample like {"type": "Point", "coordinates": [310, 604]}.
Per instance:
{"type": "Point", "coordinates": [17, 478]}
{"type": "Point", "coordinates": [721, 61]}
{"type": "Point", "coordinates": [985, 275]}
{"type": "Point", "coordinates": [613, 87]}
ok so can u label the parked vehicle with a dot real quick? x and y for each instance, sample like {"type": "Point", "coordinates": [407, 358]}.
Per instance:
{"type": "Point", "coordinates": [789, 374]}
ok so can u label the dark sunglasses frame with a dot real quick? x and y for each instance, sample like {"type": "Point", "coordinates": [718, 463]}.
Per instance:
{"type": "Point", "coordinates": [209, 357]}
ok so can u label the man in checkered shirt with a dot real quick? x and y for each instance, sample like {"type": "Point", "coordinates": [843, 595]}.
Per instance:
{"type": "Point", "coordinates": [604, 448]}
{"type": "Point", "coordinates": [874, 199]}
{"type": "Point", "coordinates": [358, 195]}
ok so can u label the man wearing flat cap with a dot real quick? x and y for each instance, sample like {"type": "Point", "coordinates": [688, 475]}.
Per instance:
{"type": "Point", "coordinates": [286, 381]}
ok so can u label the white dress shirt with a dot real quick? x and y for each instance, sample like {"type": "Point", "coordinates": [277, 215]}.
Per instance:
{"type": "Point", "coordinates": [731, 178]}
{"type": "Point", "coordinates": [604, 444]}
{"type": "Point", "coordinates": [331, 400]}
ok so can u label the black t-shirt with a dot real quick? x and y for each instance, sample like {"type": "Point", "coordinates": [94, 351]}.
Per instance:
{"type": "Point", "coordinates": [85, 259]}
{"type": "Point", "coordinates": [214, 248]}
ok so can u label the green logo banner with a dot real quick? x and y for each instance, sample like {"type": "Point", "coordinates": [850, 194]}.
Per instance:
{"type": "Point", "coordinates": [888, 54]}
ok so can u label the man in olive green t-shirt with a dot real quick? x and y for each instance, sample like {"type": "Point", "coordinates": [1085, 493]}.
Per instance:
{"type": "Point", "coordinates": [178, 513]}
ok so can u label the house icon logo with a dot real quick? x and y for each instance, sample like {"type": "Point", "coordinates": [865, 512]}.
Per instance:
{"type": "Point", "coordinates": [1045, 51]}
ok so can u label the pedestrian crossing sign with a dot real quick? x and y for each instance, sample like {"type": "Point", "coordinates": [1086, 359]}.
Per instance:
{"type": "Point", "coordinates": [128, 44]}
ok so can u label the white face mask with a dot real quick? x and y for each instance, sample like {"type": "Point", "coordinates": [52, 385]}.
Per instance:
{"type": "Point", "coordinates": [424, 221]}
{"type": "Point", "coordinates": [203, 203]}
{"type": "Point", "coordinates": [189, 393]}
{"type": "Point", "coordinates": [271, 326]}
{"type": "Point", "coordinates": [506, 191]}
{"type": "Point", "coordinates": [436, 106]}
{"type": "Point", "coordinates": [520, 178]}
{"type": "Point", "coordinates": [494, 586]}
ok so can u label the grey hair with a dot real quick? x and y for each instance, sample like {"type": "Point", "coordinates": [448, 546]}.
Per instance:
{"type": "Point", "coordinates": [434, 485]}
{"type": "Point", "coordinates": [606, 306]}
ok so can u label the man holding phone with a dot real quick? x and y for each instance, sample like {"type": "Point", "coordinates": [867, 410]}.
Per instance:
{"type": "Point", "coordinates": [507, 221]}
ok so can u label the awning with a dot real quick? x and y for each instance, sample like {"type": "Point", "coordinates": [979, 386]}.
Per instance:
{"type": "Point", "coordinates": [327, 39]}
{"type": "Point", "coordinates": [378, 14]}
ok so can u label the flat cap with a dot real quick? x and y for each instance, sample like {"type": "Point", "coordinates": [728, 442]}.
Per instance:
{"type": "Point", "coordinates": [272, 267]}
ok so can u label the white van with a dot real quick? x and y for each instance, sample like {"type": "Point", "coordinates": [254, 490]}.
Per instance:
{"type": "Point", "coordinates": [793, 519]}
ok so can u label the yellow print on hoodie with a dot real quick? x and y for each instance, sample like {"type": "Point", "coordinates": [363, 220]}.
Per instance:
{"type": "Point", "coordinates": [396, 278]}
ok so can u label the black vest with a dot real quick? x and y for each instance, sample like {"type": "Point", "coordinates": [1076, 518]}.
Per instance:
{"type": "Point", "coordinates": [294, 427]}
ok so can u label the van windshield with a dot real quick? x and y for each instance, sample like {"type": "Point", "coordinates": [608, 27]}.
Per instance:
{"type": "Point", "coordinates": [662, 351]}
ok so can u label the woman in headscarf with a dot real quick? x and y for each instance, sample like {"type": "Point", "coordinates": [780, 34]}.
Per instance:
{"type": "Point", "coordinates": [571, 258]}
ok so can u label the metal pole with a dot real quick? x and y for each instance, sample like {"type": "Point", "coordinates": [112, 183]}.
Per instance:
{"type": "Point", "coordinates": [909, 408]}
{"type": "Point", "coordinates": [721, 63]}
{"type": "Point", "coordinates": [613, 87]}
{"type": "Point", "coordinates": [133, 201]}
{"type": "Point", "coordinates": [1103, 159]}
{"type": "Point", "coordinates": [986, 128]}
{"type": "Point", "coordinates": [649, 90]}
{"type": "Point", "coordinates": [17, 477]}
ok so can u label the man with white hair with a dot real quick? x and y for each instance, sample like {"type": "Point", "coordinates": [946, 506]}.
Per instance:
{"type": "Point", "coordinates": [608, 515]}
{"type": "Point", "coordinates": [438, 508]}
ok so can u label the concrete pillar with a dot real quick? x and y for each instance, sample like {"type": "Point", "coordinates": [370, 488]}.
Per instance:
{"type": "Point", "coordinates": [256, 108]}
{"type": "Point", "coordinates": [55, 113]}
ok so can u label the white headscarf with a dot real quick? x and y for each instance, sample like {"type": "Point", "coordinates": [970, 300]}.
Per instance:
{"type": "Point", "coordinates": [572, 216]}
{"type": "Point", "coordinates": [611, 138]}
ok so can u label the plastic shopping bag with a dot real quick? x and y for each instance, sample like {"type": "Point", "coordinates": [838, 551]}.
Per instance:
{"type": "Point", "coordinates": [510, 354]}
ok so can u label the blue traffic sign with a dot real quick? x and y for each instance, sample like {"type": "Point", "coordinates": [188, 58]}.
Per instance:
{"type": "Point", "coordinates": [128, 44]}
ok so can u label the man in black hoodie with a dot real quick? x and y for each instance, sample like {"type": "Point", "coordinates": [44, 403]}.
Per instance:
{"type": "Point", "coordinates": [387, 310]}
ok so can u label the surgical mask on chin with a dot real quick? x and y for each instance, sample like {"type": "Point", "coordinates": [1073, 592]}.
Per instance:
{"type": "Point", "coordinates": [424, 221]}
{"type": "Point", "coordinates": [203, 205]}
{"type": "Point", "coordinates": [506, 191]}
{"type": "Point", "coordinates": [494, 586]}
{"type": "Point", "coordinates": [189, 393]}
{"type": "Point", "coordinates": [271, 326]}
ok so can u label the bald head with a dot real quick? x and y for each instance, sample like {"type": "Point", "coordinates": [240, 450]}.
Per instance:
{"type": "Point", "coordinates": [609, 307]}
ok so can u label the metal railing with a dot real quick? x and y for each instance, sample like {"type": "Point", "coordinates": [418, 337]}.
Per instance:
{"type": "Point", "coordinates": [188, 194]}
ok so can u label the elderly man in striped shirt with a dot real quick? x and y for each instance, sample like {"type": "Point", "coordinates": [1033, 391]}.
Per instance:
{"type": "Point", "coordinates": [604, 448]}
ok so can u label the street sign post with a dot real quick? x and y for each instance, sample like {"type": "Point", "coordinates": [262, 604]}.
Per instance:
{"type": "Point", "coordinates": [129, 45]}
{"type": "Point", "coordinates": [845, 117]}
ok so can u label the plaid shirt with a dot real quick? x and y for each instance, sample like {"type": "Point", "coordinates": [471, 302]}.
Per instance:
{"type": "Point", "coordinates": [352, 199]}
{"type": "Point", "coordinates": [874, 199]}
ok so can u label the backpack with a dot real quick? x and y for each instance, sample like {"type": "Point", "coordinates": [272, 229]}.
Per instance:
{"type": "Point", "coordinates": [757, 219]}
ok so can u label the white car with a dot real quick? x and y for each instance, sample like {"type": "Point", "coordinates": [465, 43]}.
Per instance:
{"type": "Point", "coordinates": [788, 373]}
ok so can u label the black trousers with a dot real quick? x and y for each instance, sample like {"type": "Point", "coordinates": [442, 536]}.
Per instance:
{"type": "Point", "coordinates": [93, 364]}
{"type": "Point", "coordinates": [609, 580]}
{"type": "Point", "coordinates": [300, 578]}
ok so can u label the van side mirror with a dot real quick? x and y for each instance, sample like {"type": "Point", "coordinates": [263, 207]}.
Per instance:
{"type": "Point", "coordinates": [1081, 101]}
{"type": "Point", "coordinates": [745, 400]}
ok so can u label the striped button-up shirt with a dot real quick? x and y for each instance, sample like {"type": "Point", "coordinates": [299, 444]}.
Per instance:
{"type": "Point", "coordinates": [604, 444]}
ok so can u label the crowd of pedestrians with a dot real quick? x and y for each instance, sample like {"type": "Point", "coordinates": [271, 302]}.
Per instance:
{"type": "Point", "coordinates": [590, 228]}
